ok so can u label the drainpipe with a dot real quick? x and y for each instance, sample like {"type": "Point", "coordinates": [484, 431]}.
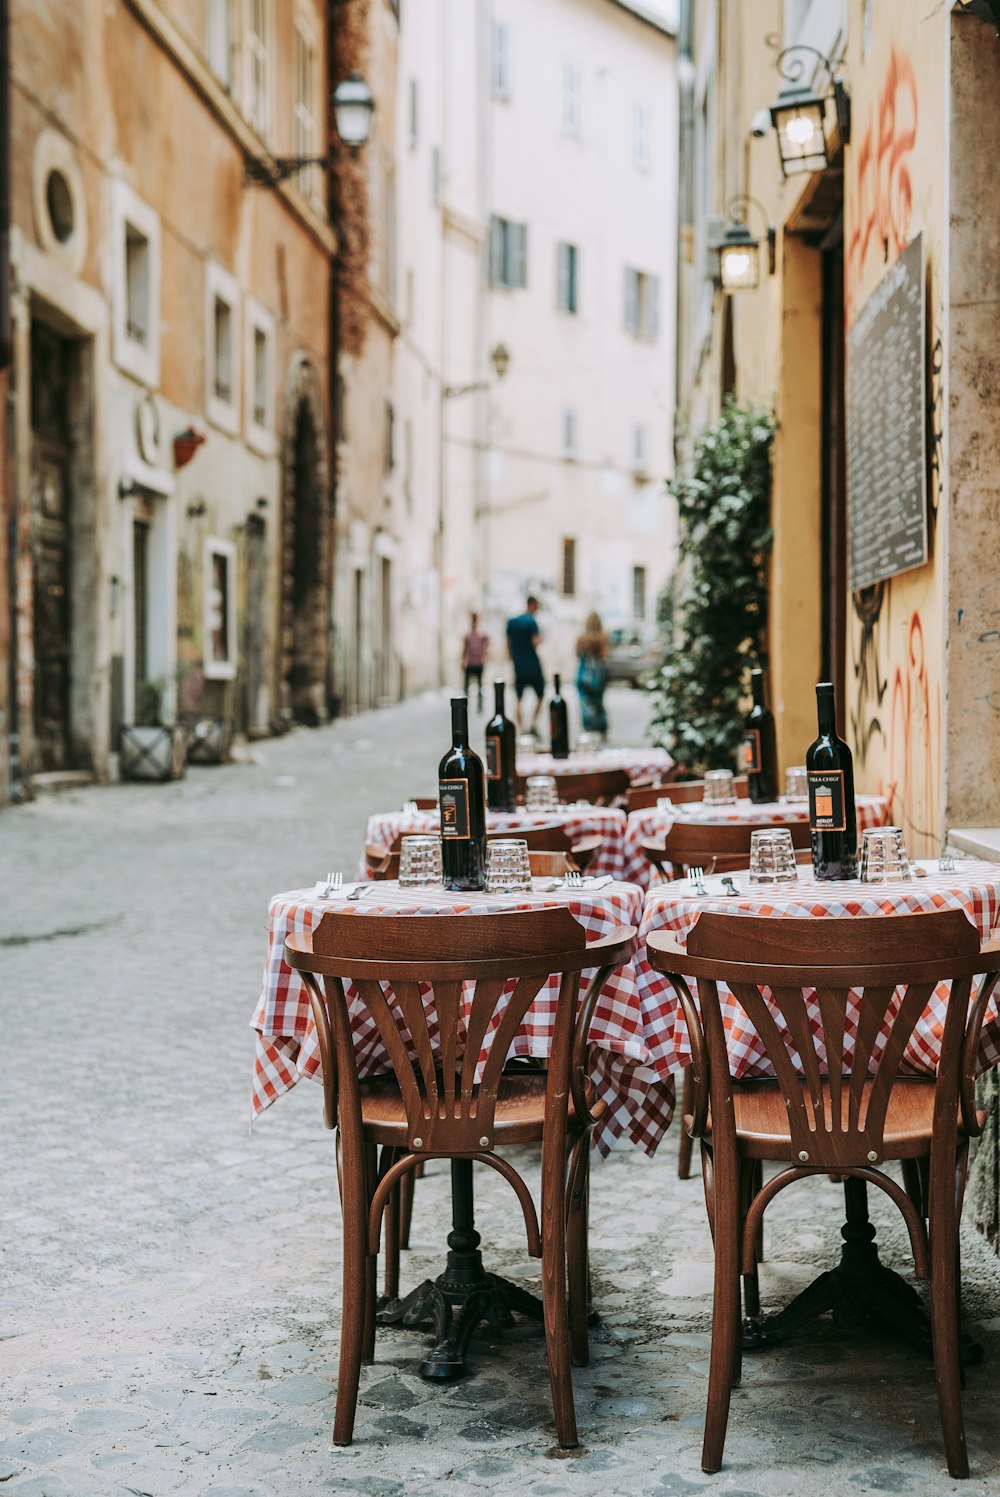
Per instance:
{"type": "Point", "coordinates": [685, 199]}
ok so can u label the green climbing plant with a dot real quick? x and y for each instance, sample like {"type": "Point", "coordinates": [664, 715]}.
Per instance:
{"type": "Point", "coordinates": [714, 611]}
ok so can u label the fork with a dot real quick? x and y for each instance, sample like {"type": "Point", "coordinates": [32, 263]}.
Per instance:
{"type": "Point", "coordinates": [333, 881]}
{"type": "Point", "coordinates": [697, 877]}
{"type": "Point", "coordinates": [573, 879]}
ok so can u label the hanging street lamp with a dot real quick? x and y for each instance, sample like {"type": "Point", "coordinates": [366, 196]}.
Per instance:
{"type": "Point", "coordinates": [799, 112]}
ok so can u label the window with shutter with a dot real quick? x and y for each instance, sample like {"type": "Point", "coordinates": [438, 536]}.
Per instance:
{"type": "Point", "coordinates": [520, 266]}
{"type": "Point", "coordinates": [640, 135]}
{"type": "Point", "coordinates": [631, 300]}
{"type": "Point", "coordinates": [414, 113]}
{"type": "Point", "coordinates": [639, 447]}
{"type": "Point", "coordinates": [652, 319]}
{"type": "Point", "coordinates": [566, 259]}
{"type": "Point", "coordinates": [219, 40]}
{"type": "Point", "coordinates": [500, 61]}
{"type": "Point", "coordinates": [508, 253]}
{"type": "Point", "coordinates": [569, 567]}
{"type": "Point", "coordinates": [571, 434]}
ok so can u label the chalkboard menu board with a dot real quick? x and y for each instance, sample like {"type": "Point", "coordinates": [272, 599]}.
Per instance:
{"type": "Point", "coordinates": [886, 418]}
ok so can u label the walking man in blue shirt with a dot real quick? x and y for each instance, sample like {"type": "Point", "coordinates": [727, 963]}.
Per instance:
{"type": "Point", "coordinates": [523, 638]}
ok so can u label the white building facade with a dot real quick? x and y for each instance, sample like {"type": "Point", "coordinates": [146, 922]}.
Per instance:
{"type": "Point", "coordinates": [537, 142]}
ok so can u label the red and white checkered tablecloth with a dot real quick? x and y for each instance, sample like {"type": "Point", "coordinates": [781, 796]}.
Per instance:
{"type": "Point", "coordinates": [652, 824]}
{"type": "Point", "coordinates": [639, 1100]}
{"type": "Point", "coordinates": [606, 822]}
{"type": "Point", "coordinates": [974, 888]}
{"type": "Point", "coordinates": [638, 763]}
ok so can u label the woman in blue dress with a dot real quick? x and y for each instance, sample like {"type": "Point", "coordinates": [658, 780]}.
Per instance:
{"type": "Point", "coordinates": [592, 675]}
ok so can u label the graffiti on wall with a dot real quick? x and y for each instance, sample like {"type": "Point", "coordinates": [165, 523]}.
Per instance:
{"type": "Point", "coordinates": [881, 187]}
{"type": "Point", "coordinates": [870, 681]}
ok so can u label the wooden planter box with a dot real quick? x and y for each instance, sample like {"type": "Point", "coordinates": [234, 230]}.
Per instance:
{"type": "Point", "coordinates": [210, 739]}
{"type": "Point", "coordinates": [153, 753]}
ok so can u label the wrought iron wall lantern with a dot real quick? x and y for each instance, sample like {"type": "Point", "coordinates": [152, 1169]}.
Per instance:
{"type": "Point", "coordinates": [352, 106]}
{"type": "Point", "coordinates": [799, 112]}
{"type": "Point", "coordinates": [739, 251]}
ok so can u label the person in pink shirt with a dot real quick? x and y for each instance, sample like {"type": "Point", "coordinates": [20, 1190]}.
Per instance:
{"type": "Point", "coordinates": [475, 648]}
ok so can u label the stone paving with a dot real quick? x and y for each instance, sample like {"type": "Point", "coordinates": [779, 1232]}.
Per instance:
{"type": "Point", "coordinates": [169, 1282]}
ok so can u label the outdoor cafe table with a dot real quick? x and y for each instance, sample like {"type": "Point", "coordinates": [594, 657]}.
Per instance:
{"type": "Point", "coordinates": [638, 763]}
{"type": "Point", "coordinates": [974, 888]}
{"type": "Point", "coordinates": [606, 822]}
{"type": "Point", "coordinates": [639, 1101]}
{"type": "Point", "coordinates": [651, 824]}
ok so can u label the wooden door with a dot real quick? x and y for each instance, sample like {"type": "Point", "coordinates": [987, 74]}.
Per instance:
{"type": "Point", "coordinates": [51, 497]}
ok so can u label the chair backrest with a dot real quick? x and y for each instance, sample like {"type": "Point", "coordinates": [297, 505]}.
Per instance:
{"type": "Point", "coordinates": [550, 838]}
{"type": "Point", "coordinates": [641, 797]}
{"type": "Point", "coordinates": [423, 979]}
{"type": "Point", "coordinates": [382, 862]}
{"type": "Point", "coordinates": [425, 802]}
{"type": "Point", "coordinates": [837, 999]}
{"type": "Point", "coordinates": [722, 845]}
{"type": "Point", "coordinates": [550, 864]}
{"type": "Point", "coordinates": [682, 792]}
{"type": "Point", "coordinates": [601, 787]}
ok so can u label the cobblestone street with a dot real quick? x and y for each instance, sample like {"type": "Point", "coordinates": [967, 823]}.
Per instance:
{"type": "Point", "coordinates": [169, 1281]}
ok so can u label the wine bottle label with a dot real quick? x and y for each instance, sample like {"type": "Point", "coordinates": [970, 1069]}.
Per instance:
{"type": "Point", "coordinates": [826, 800]}
{"type": "Point", "coordinates": [751, 750]}
{"type": "Point", "coordinates": [454, 798]}
{"type": "Point", "coordinates": [492, 758]}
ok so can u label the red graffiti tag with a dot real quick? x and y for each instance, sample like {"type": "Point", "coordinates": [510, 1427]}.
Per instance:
{"type": "Point", "coordinates": [882, 189]}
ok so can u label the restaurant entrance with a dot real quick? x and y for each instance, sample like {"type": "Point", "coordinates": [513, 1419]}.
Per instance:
{"type": "Point", "coordinates": [833, 621]}
{"type": "Point", "coordinates": [51, 500]}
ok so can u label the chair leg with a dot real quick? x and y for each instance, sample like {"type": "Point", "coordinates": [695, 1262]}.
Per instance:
{"type": "Point", "coordinates": [554, 1295]}
{"type": "Point", "coordinates": [577, 1255]}
{"type": "Point", "coordinates": [725, 1316]}
{"type": "Point", "coordinates": [686, 1141]}
{"type": "Point", "coordinates": [406, 1207]}
{"type": "Point", "coordinates": [944, 1319]}
{"type": "Point", "coordinates": [393, 1235]}
{"type": "Point", "coordinates": [355, 1195]}
{"type": "Point", "coordinates": [371, 1262]}
{"type": "Point", "coordinates": [913, 1184]}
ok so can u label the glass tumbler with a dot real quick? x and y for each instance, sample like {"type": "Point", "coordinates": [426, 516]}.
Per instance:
{"type": "Point", "coordinates": [772, 856]}
{"type": "Point", "coordinates": [719, 789]}
{"type": "Point", "coordinates": [587, 743]}
{"type": "Point", "coordinates": [883, 855]}
{"type": "Point", "coordinates": [508, 868]}
{"type": "Point", "coordinates": [797, 783]}
{"type": "Point", "coordinates": [420, 862]}
{"type": "Point", "coordinates": [540, 792]}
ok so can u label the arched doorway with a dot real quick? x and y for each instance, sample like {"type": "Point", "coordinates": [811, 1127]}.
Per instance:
{"type": "Point", "coordinates": [305, 551]}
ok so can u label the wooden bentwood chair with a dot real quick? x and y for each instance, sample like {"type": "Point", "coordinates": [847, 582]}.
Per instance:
{"type": "Point", "coordinates": [718, 847]}
{"type": "Point", "coordinates": [412, 971]}
{"type": "Point", "coordinates": [840, 1116]}
{"type": "Point", "coordinates": [599, 787]}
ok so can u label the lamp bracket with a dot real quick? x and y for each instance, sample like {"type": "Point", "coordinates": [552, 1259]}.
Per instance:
{"type": "Point", "coordinates": [792, 65]}
{"type": "Point", "coordinates": [269, 171]}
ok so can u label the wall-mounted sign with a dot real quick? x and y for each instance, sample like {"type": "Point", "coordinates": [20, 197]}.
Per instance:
{"type": "Point", "coordinates": [886, 426]}
{"type": "Point", "coordinates": [147, 430]}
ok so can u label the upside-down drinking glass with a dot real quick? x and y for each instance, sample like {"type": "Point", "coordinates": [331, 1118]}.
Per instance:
{"type": "Point", "coordinates": [419, 862]}
{"type": "Point", "coordinates": [508, 867]}
{"type": "Point", "coordinates": [797, 783]}
{"type": "Point", "coordinates": [719, 789]}
{"type": "Point", "coordinates": [540, 792]}
{"type": "Point", "coordinates": [883, 855]}
{"type": "Point", "coordinates": [772, 856]}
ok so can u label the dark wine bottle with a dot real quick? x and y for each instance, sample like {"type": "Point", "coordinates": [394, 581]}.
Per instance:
{"type": "Point", "coordinates": [761, 745]}
{"type": "Point", "coordinates": [462, 798]}
{"type": "Point", "coordinates": [558, 722]}
{"type": "Point", "coordinates": [832, 816]}
{"type": "Point", "coordinates": [501, 751]}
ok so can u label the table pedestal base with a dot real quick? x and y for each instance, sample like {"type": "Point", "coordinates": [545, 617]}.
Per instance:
{"type": "Point", "coordinates": [860, 1291]}
{"type": "Point", "coordinates": [463, 1296]}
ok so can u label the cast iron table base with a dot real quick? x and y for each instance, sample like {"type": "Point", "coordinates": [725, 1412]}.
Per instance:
{"type": "Point", "coordinates": [463, 1296]}
{"type": "Point", "coordinates": [859, 1291]}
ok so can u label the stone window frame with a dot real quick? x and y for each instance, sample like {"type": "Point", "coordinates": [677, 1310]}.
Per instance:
{"type": "Point", "coordinates": [140, 359]}
{"type": "Point", "coordinates": [261, 436]}
{"type": "Point", "coordinates": [222, 286]}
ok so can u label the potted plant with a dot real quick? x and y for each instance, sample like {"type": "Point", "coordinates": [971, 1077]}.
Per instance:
{"type": "Point", "coordinates": [151, 749]}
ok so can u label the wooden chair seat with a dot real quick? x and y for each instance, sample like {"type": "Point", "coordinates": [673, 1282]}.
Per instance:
{"type": "Point", "coordinates": [519, 1116]}
{"type": "Point", "coordinates": [762, 1118]}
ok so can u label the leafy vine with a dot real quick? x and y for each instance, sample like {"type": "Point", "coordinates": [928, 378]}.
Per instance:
{"type": "Point", "coordinates": [717, 601]}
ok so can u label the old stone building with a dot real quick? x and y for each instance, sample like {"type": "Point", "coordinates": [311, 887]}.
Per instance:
{"type": "Point", "coordinates": [897, 202]}
{"type": "Point", "coordinates": [168, 489]}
